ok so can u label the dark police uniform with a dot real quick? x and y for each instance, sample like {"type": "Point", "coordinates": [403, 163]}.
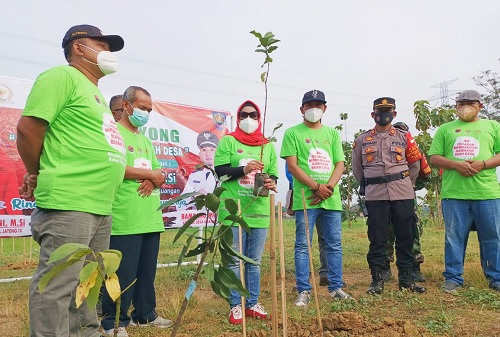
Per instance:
{"type": "Point", "coordinates": [379, 161]}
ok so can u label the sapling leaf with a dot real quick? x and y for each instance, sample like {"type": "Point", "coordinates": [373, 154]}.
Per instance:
{"type": "Point", "coordinates": [225, 256]}
{"type": "Point", "coordinates": [83, 289]}
{"type": "Point", "coordinates": [212, 202]}
{"type": "Point", "coordinates": [260, 50]}
{"type": "Point", "coordinates": [229, 279]}
{"type": "Point", "coordinates": [53, 272]}
{"type": "Point", "coordinates": [174, 200]}
{"type": "Point", "coordinates": [256, 34]}
{"type": "Point", "coordinates": [81, 252]}
{"type": "Point", "coordinates": [239, 220]}
{"type": "Point", "coordinates": [219, 190]}
{"type": "Point", "coordinates": [185, 248]}
{"type": "Point", "coordinates": [113, 286]}
{"type": "Point", "coordinates": [268, 35]}
{"type": "Point", "coordinates": [208, 271]}
{"type": "Point", "coordinates": [64, 250]}
{"type": "Point", "coordinates": [186, 225]}
{"type": "Point", "coordinates": [111, 259]}
{"type": "Point", "coordinates": [198, 250]}
{"type": "Point", "coordinates": [263, 76]}
{"type": "Point", "coordinates": [235, 253]}
{"type": "Point", "coordinates": [93, 296]}
{"type": "Point", "coordinates": [272, 48]}
{"type": "Point", "coordinates": [231, 206]}
{"type": "Point", "coordinates": [88, 270]}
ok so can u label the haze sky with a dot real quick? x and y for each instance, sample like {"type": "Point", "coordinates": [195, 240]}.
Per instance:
{"type": "Point", "coordinates": [200, 53]}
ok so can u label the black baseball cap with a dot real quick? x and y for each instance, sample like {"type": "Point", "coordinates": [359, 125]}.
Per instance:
{"type": "Point", "coordinates": [115, 42]}
{"type": "Point", "coordinates": [384, 102]}
{"type": "Point", "coordinates": [314, 95]}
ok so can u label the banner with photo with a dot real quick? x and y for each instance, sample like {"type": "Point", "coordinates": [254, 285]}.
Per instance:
{"type": "Point", "coordinates": [184, 139]}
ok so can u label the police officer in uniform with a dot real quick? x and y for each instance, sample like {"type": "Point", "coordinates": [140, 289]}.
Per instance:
{"type": "Point", "coordinates": [203, 180]}
{"type": "Point", "coordinates": [379, 162]}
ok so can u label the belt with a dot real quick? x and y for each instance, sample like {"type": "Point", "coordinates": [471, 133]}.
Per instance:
{"type": "Point", "coordinates": [388, 178]}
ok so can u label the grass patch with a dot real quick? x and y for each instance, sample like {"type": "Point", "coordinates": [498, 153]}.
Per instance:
{"type": "Point", "coordinates": [473, 312]}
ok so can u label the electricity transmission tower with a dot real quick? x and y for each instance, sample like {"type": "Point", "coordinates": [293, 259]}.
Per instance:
{"type": "Point", "coordinates": [444, 92]}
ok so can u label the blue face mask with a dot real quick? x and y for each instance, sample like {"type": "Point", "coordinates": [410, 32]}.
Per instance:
{"type": "Point", "coordinates": [138, 117]}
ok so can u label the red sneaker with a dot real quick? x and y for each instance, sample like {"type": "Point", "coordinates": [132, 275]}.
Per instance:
{"type": "Point", "coordinates": [257, 311]}
{"type": "Point", "coordinates": [235, 315]}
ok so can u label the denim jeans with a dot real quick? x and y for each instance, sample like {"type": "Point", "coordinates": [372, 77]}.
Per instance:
{"type": "Point", "coordinates": [458, 216]}
{"type": "Point", "coordinates": [323, 261]}
{"type": "Point", "coordinates": [252, 247]}
{"type": "Point", "coordinates": [331, 223]}
{"type": "Point", "coordinates": [53, 313]}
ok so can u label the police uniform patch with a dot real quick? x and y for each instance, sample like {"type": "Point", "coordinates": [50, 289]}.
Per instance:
{"type": "Point", "coordinates": [369, 150]}
{"type": "Point", "coordinates": [354, 145]}
{"type": "Point", "coordinates": [369, 158]}
{"type": "Point", "coordinates": [399, 157]}
{"type": "Point", "coordinates": [398, 149]}
{"type": "Point", "coordinates": [368, 138]}
{"type": "Point", "coordinates": [392, 132]}
{"type": "Point", "coordinates": [373, 132]}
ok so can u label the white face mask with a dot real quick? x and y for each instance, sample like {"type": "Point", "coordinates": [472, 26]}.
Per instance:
{"type": "Point", "coordinates": [106, 61]}
{"type": "Point", "coordinates": [313, 115]}
{"type": "Point", "coordinates": [467, 113]}
{"type": "Point", "coordinates": [249, 125]}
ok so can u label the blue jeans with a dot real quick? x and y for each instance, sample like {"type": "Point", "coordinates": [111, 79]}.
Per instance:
{"type": "Point", "coordinates": [458, 216]}
{"type": "Point", "coordinates": [252, 247]}
{"type": "Point", "coordinates": [331, 223]}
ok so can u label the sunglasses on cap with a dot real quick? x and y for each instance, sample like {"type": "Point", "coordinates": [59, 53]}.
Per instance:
{"type": "Point", "coordinates": [245, 115]}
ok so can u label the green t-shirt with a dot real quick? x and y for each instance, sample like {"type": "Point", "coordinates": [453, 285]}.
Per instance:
{"type": "Point", "coordinates": [317, 152]}
{"type": "Point", "coordinates": [83, 158]}
{"type": "Point", "coordinates": [231, 151]}
{"type": "Point", "coordinates": [458, 141]}
{"type": "Point", "coordinates": [133, 214]}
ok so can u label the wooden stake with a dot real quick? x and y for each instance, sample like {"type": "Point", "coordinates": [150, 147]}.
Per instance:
{"type": "Point", "coordinates": [13, 245]}
{"type": "Point", "coordinates": [311, 266]}
{"type": "Point", "coordinates": [242, 275]}
{"type": "Point", "coordinates": [282, 270]}
{"type": "Point", "coordinates": [272, 255]}
{"type": "Point", "coordinates": [31, 248]}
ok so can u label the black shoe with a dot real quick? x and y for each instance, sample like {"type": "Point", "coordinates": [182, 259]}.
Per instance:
{"type": "Point", "coordinates": [495, 286]}
{"type": "Point", "coordinates": [418, 276]}
{"type": "Point", "coordinates": [323, 281]}
{"type": "Point", "coordinates": [412, 287]}
{"type": "Point", "coordinates": [376, 287]}
{"type": "Point", "coordinates": [386, 275]}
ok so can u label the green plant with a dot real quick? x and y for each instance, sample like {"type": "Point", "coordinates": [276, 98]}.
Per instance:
{"type": "Point", "coordinates": [215, 244]}
{"type": "Point", "coordinates": [102, 266]}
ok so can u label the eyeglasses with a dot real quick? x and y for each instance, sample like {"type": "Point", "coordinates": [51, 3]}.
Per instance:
{"type": "Point", "coordinates": [251, 114]}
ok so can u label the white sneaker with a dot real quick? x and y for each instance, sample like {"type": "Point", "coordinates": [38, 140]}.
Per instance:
{"type": "Point", "coordinates": [303, 299]}
{"type": "Point", "coordinates": [121, 332]}
{"type": "Point", "coordinates": [158, 322]}
{"type": "Point", "coordinates": [339, 294]}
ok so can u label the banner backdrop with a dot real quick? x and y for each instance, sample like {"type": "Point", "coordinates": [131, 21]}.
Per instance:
{"type": "Point", "coordinates": [184, 139]}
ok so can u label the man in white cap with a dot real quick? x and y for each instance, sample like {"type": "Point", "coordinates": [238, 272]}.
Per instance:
{"type": "Point", "coordinates": [75, 162]}
{"type": "Point", "coordinates": [467, 149]}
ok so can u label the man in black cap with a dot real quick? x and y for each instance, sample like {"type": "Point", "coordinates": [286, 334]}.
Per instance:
{"type": "Point", "coordinates": [75, 162]}
{"type": "Point", "coordinates": [381, 162]}
{"type": "Point", "coordinates": [314, 155]}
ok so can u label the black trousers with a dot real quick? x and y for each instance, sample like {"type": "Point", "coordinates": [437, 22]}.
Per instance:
{"type": "Point", "coordinates": [381, 213]}
{"type": "Point", "coordinates": [139, 258]}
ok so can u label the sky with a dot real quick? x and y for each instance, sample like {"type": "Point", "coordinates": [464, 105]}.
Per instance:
{"type": "Point", "coordinates": [201, 53]}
